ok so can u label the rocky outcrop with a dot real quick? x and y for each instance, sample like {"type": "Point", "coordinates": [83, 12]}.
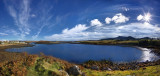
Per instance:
{"type": "Point", "coordinates": [74, 71]}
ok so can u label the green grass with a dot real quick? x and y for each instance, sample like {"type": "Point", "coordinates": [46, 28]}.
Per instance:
{"type": "Point", "coordinates": [109, 42]}
{"type": "Point", "coordinates": [148, 71]}
{"type": "Point", "coordinates": [44, 68]}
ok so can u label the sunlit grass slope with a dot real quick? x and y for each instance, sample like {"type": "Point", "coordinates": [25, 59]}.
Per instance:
{"type": "Point", "coordinates": [147, 71]}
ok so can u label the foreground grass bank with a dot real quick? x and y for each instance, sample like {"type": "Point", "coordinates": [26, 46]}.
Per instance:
{"type": "Point", "coordinates": [34, 65]}
{"type": "Point", "coordinates": [145, 71]}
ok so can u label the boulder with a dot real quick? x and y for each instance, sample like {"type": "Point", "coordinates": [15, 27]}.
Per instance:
{"type": "Point", "coordinates": [109, 69]}
{"type": "Point", "coordinates": [75, 70]}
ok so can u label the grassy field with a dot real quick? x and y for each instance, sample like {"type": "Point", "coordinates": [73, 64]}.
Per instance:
{"type": "Point", "coordinates": [146, 71]}
{"type": "Point", "coordinates": [109, 42]}
{"type": "Point", "coordinates": [127, 42]}
{"type": "Point", "coordinates": [6, 46]}
{"type": "Point", "coordinates": [47, 42]}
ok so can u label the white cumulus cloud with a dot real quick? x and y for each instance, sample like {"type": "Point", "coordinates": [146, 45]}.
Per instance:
{"type": "Point", "coordinates": [140, 17]}
{"type": "Point", "coordinates": [108, 20]}
{"type": "Point", "coordinates": [81, 32]}
{"type": "Point", "coordinates": [96, 22]}
{"type": "Point", "coordinates": [145, 18]}
{"type": "Point", "coordinates": [120, 18]}
{"type": "Point", "coordinates": [75, 33]}
{"type": "Point", "coordinates": [76, 29]}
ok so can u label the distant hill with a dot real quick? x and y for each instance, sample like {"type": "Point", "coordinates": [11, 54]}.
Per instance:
{"type": "Point", "coordinates": [125, 38]}
{"type": "Point", "coordinates": [146, 38]}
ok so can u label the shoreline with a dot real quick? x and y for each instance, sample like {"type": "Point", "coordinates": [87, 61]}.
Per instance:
{"type": "Point", "coordinates": [113, 67]}
{"type": "Point", "coordinates": [32, 63]}
{"type": "Point", "coordinates": [10, 56]}
{"type": "Point", "coordinates": [3, 47]}
{"type": "Point", "coordinates": [30, 45]}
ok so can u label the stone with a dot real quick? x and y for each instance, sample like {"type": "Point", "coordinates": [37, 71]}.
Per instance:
{"type": "Point", "coordinates": [75, 70]}
{"type": "Point", "coordinates": [109, 69]}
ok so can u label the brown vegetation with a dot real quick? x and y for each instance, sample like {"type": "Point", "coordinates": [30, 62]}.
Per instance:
{"type": "Point", "coordinates": [104, 65]}
{"type": "Point", "coordinates": [9, 56]}
{"type": "Point", "coordinates": [17, 67]}
{"type": "Point", "coordinates": [47, 42]}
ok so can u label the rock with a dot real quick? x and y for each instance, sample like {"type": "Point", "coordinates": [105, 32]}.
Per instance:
{"type": "Point", "coordinates": [109, 69]}
{"type": "Point", "coordinates": [74, 70]}
{"type": "Point", "coordinates": [106, 68]}
{"type": "Point", "coordinates": [95, 67]}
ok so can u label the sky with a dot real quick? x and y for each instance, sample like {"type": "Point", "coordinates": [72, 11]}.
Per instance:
{"type": "Point", "coordinates": [72, 20]}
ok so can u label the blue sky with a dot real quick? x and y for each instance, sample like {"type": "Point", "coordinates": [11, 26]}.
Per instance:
{"type": "Point", "coordinates": [63, 20]}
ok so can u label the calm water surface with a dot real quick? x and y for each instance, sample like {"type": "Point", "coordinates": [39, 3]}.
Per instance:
{"type": "Point", "coordinates": [79, 53]}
